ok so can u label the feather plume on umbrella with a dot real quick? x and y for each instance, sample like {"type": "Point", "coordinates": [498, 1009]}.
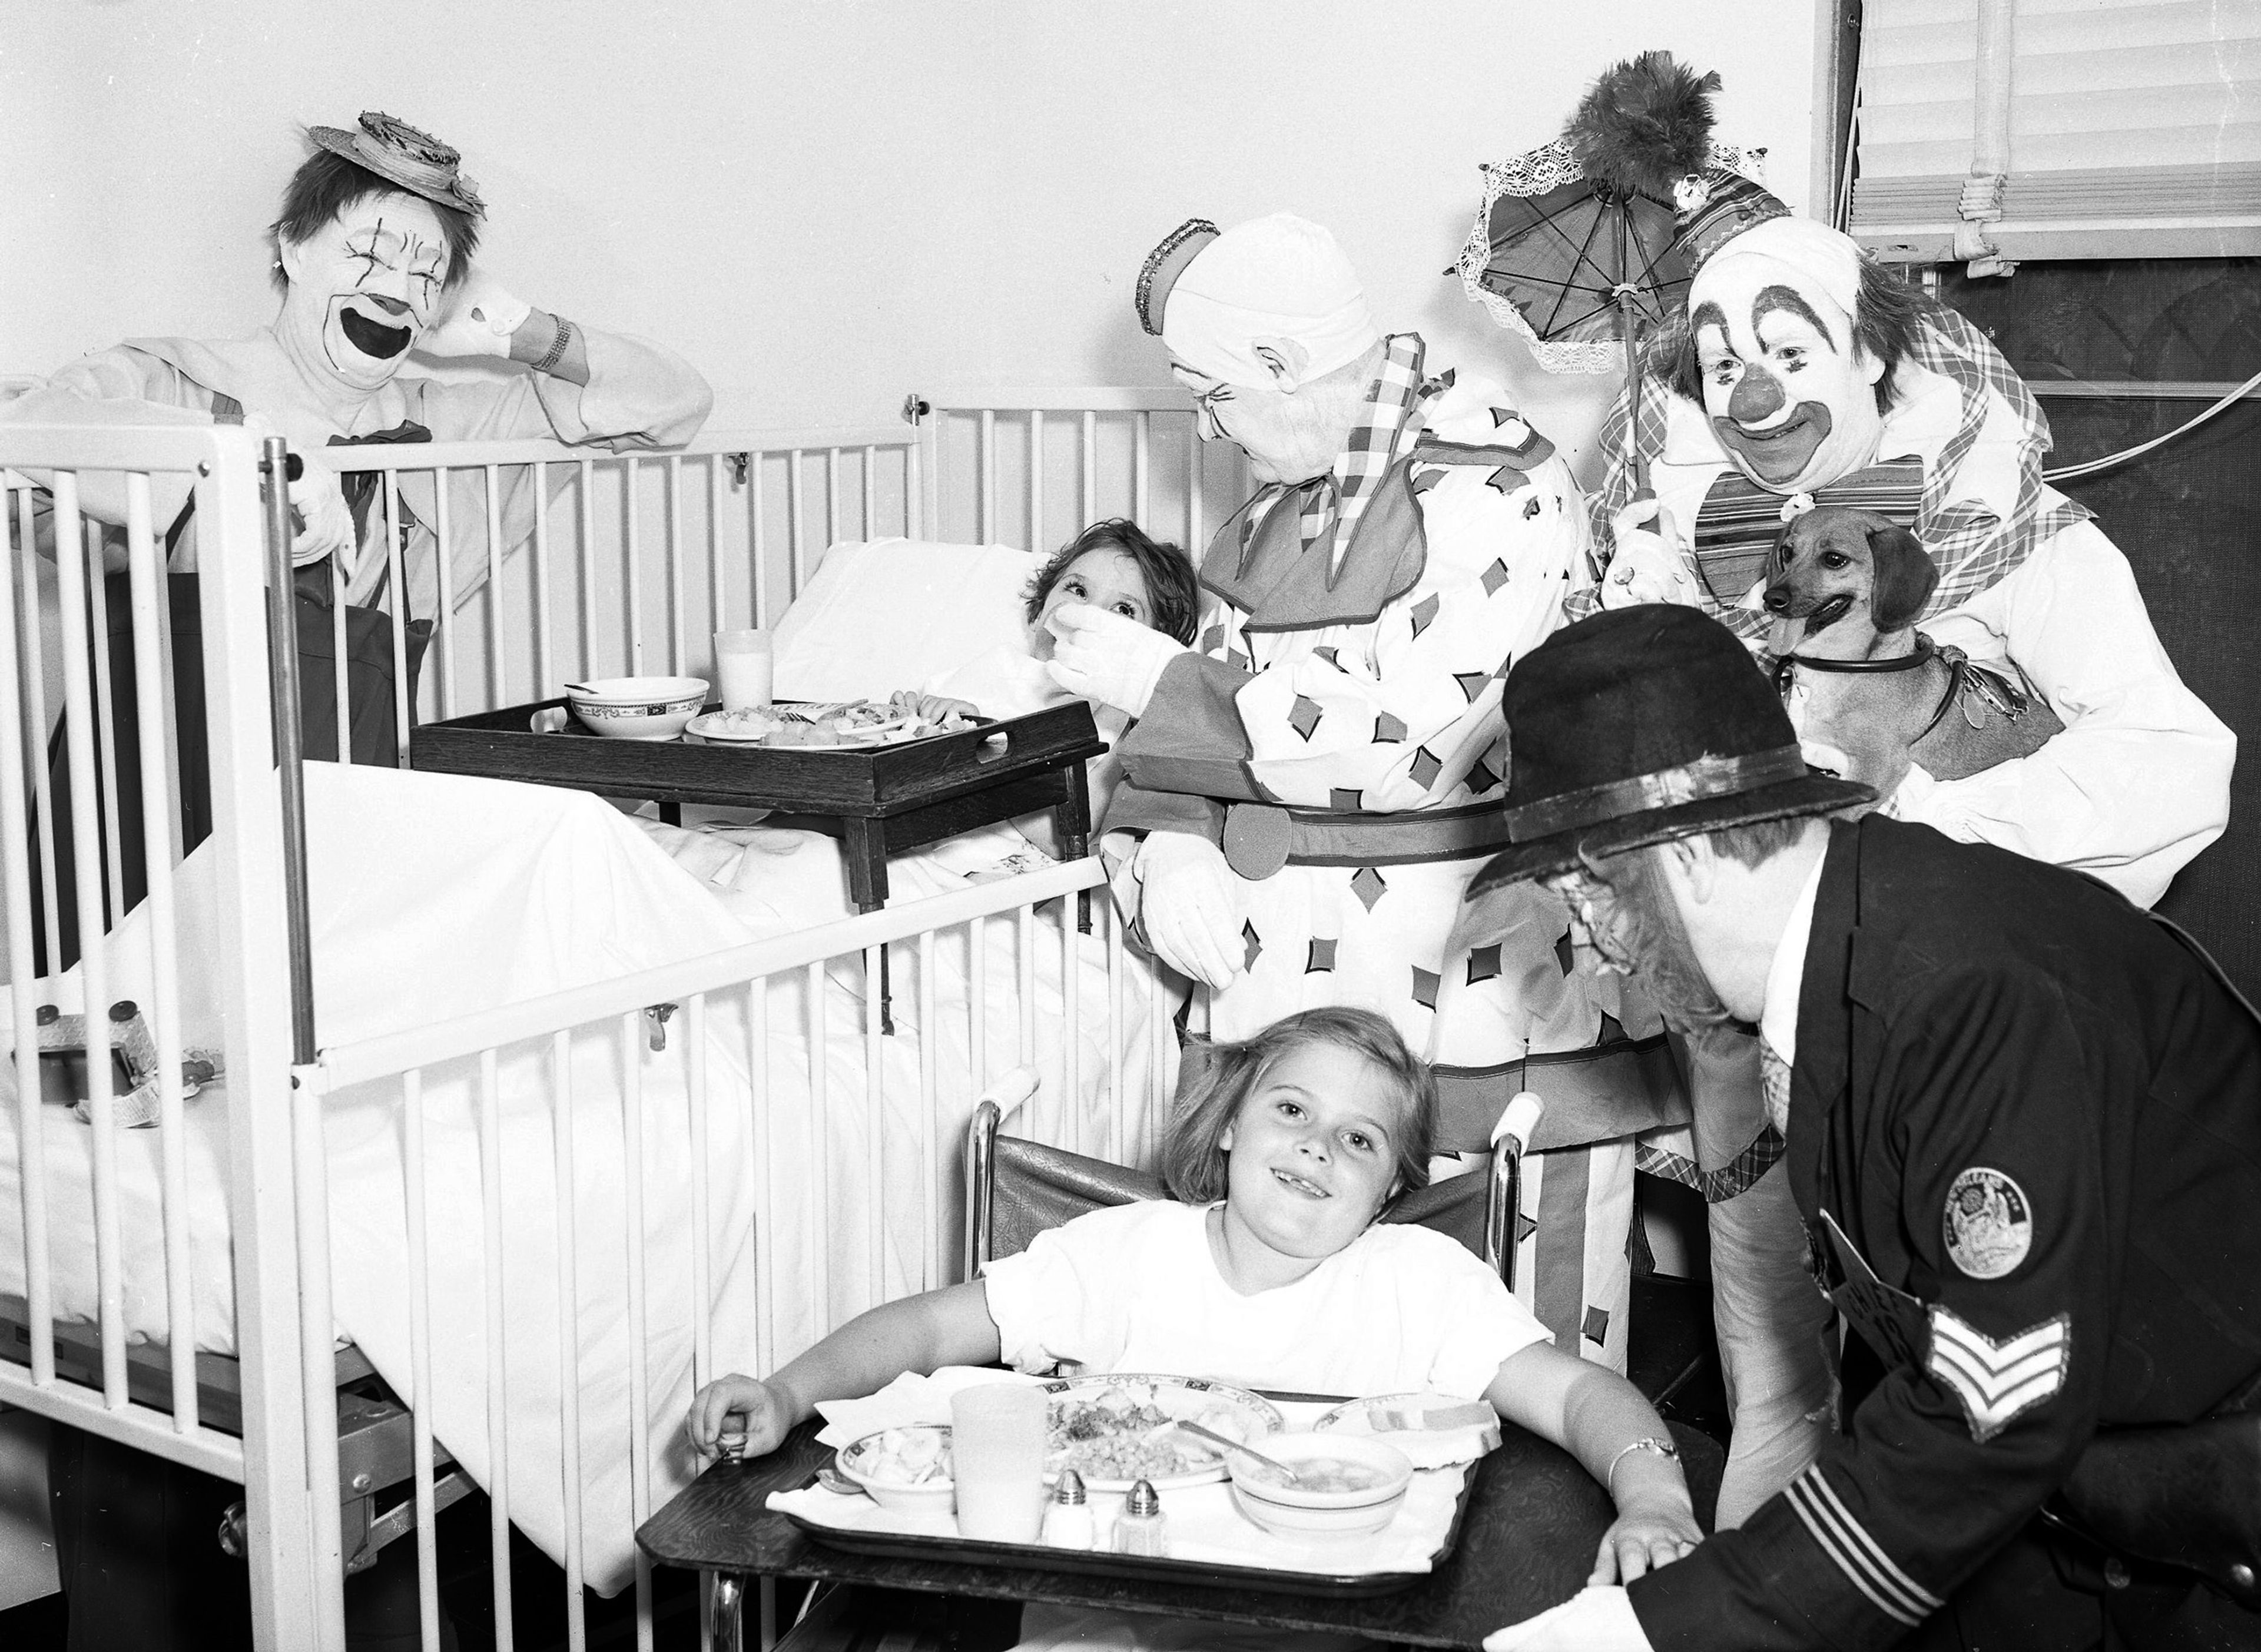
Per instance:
{"type": "Point", "coordinates": [1576, 245]}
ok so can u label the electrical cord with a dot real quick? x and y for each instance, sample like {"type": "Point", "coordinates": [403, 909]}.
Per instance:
{"type": "Point", "coordinates": [2091, 467]}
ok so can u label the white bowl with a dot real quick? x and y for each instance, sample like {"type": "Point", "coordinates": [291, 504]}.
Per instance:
{"type": "Point", "coordinates": [638, 707]}
{"type": "Point", "coordinates": [1300, 1511]}
{"type": "Point", "coordinates": [856, 1460]}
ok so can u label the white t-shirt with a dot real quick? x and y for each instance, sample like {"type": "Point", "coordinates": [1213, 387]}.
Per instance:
{"type": "Point", "coordinates": [1134, 1287]}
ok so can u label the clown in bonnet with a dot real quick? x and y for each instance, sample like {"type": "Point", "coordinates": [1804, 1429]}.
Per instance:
{"type": "Point", "coordinates": [1310, 784]}
{"type": "Point", "coordinates": [1803, 372]}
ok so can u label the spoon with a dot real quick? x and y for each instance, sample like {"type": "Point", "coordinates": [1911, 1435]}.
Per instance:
{"type": "Point", "coordinates": [1287, 1474]}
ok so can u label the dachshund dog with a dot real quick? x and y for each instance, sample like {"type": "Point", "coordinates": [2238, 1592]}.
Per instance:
{"type": "Point", "coordinates": [1844, 587]}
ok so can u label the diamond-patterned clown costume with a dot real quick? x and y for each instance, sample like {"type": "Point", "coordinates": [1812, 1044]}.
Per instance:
{"type": "Point", "coordinates": [1370, 686]}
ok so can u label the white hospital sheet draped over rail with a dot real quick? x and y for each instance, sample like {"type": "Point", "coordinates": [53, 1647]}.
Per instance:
{"type": "Point", "coordinates": [437, 899]}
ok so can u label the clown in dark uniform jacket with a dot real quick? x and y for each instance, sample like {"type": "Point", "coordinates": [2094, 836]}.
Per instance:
{"type": "Point", "coordinates": [2024, 1131]}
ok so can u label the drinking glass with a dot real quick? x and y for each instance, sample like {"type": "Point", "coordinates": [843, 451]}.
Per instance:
{"type": "Point", "coordinates": [743, 666]}
{"type": "Point", "coordinates": [997, 1458]}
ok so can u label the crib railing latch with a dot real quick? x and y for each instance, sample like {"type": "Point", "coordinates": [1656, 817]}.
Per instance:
{"type": "Point", "coordinates": [916, 407]}
{"type": "Point", "coordinates": [740, 464]}
{"type": "Point", "coordinates": [659, 1015]}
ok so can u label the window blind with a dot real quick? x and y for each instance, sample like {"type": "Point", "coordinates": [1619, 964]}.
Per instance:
{"type": "Point", "coordinates": [2116, 128]}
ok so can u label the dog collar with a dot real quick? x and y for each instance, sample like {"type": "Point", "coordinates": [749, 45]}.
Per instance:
{"type": "Point", "coordinates": [1924, 652]}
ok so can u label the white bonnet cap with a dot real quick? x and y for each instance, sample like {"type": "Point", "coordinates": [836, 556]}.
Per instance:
{"type": "Point", "coordinates": [1276, 278]}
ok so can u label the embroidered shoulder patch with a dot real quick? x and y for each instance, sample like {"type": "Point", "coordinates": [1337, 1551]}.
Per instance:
{"type": "Point", "coordinates": [1987, 1225]}
{"type": "Point", "coordinates": [1998, 1381]}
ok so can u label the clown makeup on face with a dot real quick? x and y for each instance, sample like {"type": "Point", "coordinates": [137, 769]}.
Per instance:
{"type": "Point", "coordinates": [1287, 437]}
{"type": "Point", "coordinates": [364, 288]}
{"type": "Point", "coordinates": [1790, 393]}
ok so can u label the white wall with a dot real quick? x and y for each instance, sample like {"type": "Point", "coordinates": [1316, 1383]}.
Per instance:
{"type": "Point", "coordinates": [827, 205]}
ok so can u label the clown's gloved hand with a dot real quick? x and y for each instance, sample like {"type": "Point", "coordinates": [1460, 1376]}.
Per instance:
{"type": "Point", "coordinates": [477, 320]}
{"type": "Point", "coordinates": [321, 522]}
{"type": "Point", "coordinates": [1599, 1620]}
{"type": "Point", "coordinates": [1190, 903]}
{"type": "Point", "coordinates": [324, 521]}
{"type": "Point", "coordinates": [1646, 566]}
{"type": "Point", "coordinates": [1108, 658]}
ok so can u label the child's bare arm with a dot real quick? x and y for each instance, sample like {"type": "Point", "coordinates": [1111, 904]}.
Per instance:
{"type": "Point", "coordinates": [1596, 1415]}
{"type": "Point", "coordinates": [950, 1327]}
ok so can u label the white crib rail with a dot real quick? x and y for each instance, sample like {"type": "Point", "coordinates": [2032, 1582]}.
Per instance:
{"type": "Point", "coordinates": [1135, 452]}
{"type": "Point", "coordinates": [744, 978]}
{"type": "Point", "coordinates": [625, 562]}
{"type": "Point", "coordinates": [559, 563]}
{"type": "Point", "coordinates": [575, 563]}
{"type": "Point", "coordinates": [246, 962]}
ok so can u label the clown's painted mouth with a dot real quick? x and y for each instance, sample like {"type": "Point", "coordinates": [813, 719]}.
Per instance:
{"type": "Point", "coordinates": [372, 338]}
{"type": "Point", "coordinates": [1778, 455]}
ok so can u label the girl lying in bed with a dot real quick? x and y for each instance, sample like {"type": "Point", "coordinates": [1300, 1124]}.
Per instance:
{"type": "Point", "coordinates": [1268, 1271]}
{"type": "Point", "coordinates": [1112, 565]}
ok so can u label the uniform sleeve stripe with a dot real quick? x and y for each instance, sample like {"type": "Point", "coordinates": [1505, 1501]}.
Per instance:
{"type": "Point", "coordinates": [1891, 1590]}
{"type": "Point", "coordinates": [1924, 1600]}
{"type": "Point", "coordinates": [1828, 1542]}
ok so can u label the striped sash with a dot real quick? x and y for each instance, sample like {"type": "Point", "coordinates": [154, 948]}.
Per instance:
{"type": "Point", "coordinates": [1739, 520]}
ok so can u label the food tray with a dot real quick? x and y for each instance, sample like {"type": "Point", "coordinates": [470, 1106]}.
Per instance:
{"type": "Point", "coordinates": [865, 780]}
{"type": "Point", "coordinates": [964, 1551]}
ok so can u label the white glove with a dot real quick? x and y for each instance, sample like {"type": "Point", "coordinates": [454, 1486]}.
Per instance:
{"type": "Point", "coordinates": [325, 523]}
{"type": "Point", "coordinates": [322, 523]}
{"type": "Point", "coordinates": [479, 319]}
{"type": "Point", "coordinates": [1646, 567]}
{"type": "Point", "coordinates": [1598, 1620]}
{"type": "Point", "coordinates": [1190, 901]}
{"type": "Point", "coordinates": [1105, 658]}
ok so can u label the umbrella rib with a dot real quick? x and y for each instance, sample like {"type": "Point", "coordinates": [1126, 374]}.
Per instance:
{"type": "Point", "coordinates": [1585, 259]}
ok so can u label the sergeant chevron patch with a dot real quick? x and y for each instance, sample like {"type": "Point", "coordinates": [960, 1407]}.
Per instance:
{"type": "Point", "coordinates": [1996, 1382]}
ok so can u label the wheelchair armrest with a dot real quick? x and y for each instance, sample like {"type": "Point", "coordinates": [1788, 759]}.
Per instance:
{"type": "Point", "coordinates": [998, 1103]}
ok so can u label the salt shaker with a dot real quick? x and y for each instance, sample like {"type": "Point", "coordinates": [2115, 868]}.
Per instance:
{"type": "Point", "coordinates": [1067, 1517]}
{"type": "Point", "coordinates": [1139, 1528]}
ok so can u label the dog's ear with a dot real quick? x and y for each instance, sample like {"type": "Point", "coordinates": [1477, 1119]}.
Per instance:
{"type": "Point", "coordinates": [1904, 578]}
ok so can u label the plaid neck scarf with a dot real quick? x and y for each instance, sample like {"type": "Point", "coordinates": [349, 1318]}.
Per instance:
{"type": "Point", "coordinates": [1973, 544]}
{"type": "Point", "coordinates": [1391, 419]}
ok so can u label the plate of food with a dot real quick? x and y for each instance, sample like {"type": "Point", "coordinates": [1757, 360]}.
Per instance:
{"type": "Point", "coordinates": [847, 722]}
{"type": "Point", "coordinates": [1114, 1431]}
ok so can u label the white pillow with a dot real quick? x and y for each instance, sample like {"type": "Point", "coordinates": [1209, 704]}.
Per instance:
{"type": "Point", "coordinates": [893, 613]}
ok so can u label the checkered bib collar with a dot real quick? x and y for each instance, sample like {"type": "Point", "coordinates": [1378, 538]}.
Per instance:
{"type": "Point", "coordinates": [1392, 419]}
{"type": "Point", "coordinates": [1983, 508]}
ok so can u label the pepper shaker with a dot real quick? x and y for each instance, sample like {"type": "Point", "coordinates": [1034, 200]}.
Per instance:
{"type": "Point", "coordinates": [1139, 1529]}
{"type": "Point", "coordinates": [1067, 1517]}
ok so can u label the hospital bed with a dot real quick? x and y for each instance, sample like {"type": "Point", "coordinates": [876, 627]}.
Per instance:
{"type": "Point", "coordinates": [484, 1189]}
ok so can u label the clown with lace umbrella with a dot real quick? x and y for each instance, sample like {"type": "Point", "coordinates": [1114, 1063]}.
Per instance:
{"type": "Point", "coordinates": [1573, 249]}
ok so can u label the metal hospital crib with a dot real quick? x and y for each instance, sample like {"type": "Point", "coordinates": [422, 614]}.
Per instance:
{"type": "Point", "coordinates": [626, 563]}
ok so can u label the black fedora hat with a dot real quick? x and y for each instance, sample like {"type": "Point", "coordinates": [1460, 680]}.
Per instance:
{"type": "Point", "coordinates": [1641, 725]}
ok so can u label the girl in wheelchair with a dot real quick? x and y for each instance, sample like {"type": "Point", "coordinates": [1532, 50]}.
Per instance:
{"type": "Point", "coordinates": [1268, 1270]}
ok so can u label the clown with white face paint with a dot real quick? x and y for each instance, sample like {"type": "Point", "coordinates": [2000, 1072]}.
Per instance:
{"type": "Point", "coordinates": [1803, 372]}
{"type": "Point", "coordinates": [1310, 786]}
{"type": "Point", "coordinates": [1806, 372]}
{"type": "Point", "coordinates": [374, 256]}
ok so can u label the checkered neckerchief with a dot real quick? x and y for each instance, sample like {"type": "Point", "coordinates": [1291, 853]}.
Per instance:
{"type": "Point", "coordinates": [1390, 417]}
{"type": "Point", "coordinates": [1974, 548]}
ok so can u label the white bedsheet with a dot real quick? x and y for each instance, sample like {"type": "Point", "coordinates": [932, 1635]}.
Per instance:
{"type": "Point", "coordinates": [434, 896]}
